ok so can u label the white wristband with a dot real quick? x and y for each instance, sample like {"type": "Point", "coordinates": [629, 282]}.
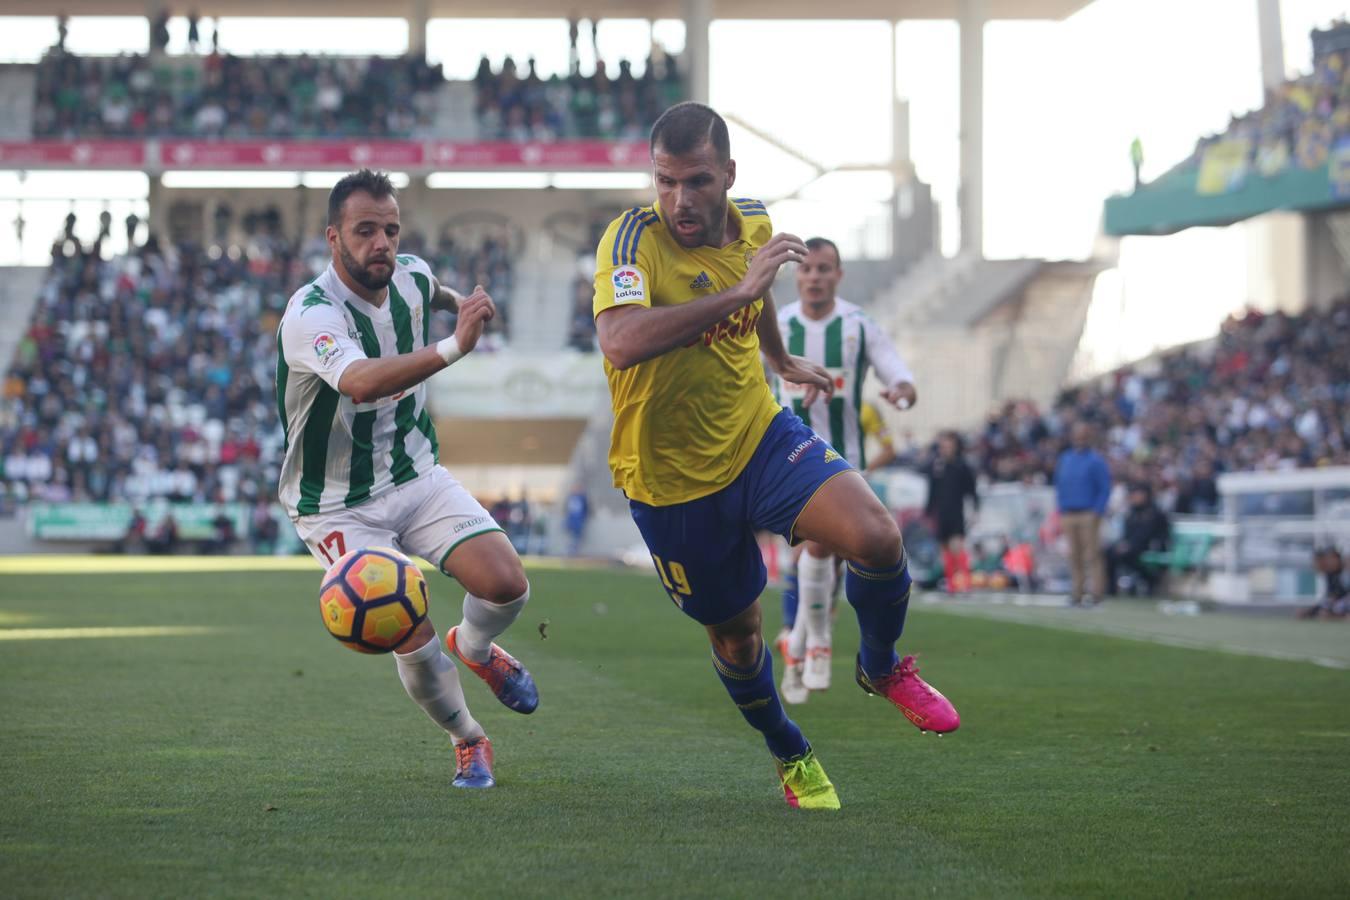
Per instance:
{"type": "Point", "coordinates": [449, 350]}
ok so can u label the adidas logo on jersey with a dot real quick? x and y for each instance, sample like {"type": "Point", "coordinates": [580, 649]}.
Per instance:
{"type": "Point", "coordinates": [702, 282]}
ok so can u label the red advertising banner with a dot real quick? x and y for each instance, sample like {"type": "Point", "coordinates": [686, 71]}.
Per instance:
{"type": "Point", "coordinates": [399, 155]}
{"type": "Point", "coordinates": [561, 155]}
{"type": "Point", "coordinates": [290, 155]}
{"type": "Point", "coordinates": [72, 154]}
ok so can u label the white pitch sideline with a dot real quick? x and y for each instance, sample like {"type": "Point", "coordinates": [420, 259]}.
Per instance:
{"type": "Point", "coordinates": [100, 564]}
{"type": "Point", "coordinates": [1269, 637]}
{"type": "Point", "coordinates": [139, 631]}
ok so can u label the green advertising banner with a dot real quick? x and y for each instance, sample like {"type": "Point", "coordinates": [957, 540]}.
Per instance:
{"type": "Point", "coordinates": [109, 521]}
{"type": "Point", "coordinates": [1223, 190]}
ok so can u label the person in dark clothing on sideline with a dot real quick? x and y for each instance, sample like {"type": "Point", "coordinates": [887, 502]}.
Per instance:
{"type": "Point", "coordinates": [1082, 487]}
{"type": "Point", "coordinates": [1198, 494]}
{"type": "Point", "coordinates": [1146, 528]}
{"type": "Point", "coordinates": [1334, 591]}
{"type": "Point", "coordinates": [950, 482]}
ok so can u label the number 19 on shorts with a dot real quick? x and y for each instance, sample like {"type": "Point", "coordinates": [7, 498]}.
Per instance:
{"type": "Point", "coordinates": [674, 578]}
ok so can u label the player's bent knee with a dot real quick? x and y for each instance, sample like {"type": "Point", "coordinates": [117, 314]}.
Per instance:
{"type": "Point", "coordinates": [880, 546]}
{"type": "Point", "coordinates": [737, 641]}
{"type": "Point", "coordinates": [508, 587]}
{"type": "Point", "coordinates": [489, 568]}
{"type": "Point", "coordinates": [504, 582]}
{"type": "Point", "coordinates": [738, 649]}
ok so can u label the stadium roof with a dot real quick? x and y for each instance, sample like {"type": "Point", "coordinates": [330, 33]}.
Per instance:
{"type": "Point", "coordinates": [600, 9]}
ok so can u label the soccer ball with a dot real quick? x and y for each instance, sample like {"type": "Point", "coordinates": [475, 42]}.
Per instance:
{"type": "Point", "coordinates": [372, 599]}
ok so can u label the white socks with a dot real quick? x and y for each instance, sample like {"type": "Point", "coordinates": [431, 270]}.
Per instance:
{"type": "Point", "coordinates": [815, 577]}
{"type": "Point", "coordinates": [796, 642]}
{"type": "Point", "coordinates": [431, 679]}
{"type": "Point", "coordinates": [483, 621]}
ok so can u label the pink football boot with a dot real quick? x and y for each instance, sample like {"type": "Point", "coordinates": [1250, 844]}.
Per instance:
{"type": "Point", "coordinates": [921, 703]}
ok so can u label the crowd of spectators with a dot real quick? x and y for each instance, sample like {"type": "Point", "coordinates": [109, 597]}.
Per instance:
{"type": "Point", "coordinates": [463, 264]}
{"type": "Point", "coordinates": [216, 95]}
{"type": "Point", "coordinates": [147, 377]}
{"type": "Point", "coordinates": [1270, 392]}
{"type": "Point", "coordinates": [150, 376]}
{"type": "Point", "coordinates": [1302, 119]}
{"type": "Point", "coordinates": [521, 106]}
{"type": "Point", "coordinates": [231, 96]}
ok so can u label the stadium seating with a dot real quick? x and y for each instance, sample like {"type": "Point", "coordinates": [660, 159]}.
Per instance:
{"type": "Point", "coordinates": [1271, 392]}
{"type": "Point", "coordinates": [524, 107]}
{"type": "Point", "coordinates": [336, 97]}
{"type": "Point", "coordinates": [1301, 120]}
{"type": "Point", "coordinates": [150, 376]}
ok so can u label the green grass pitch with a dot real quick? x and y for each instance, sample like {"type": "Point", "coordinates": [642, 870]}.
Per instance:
{"type": "Point", "coordinates": [264, 759]}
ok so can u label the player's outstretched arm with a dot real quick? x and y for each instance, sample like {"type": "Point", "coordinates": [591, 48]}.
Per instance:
{"type": "Point", "coordinates": [445, 298]}
{"type": "Point", "coordinates": [900, 391]}
{"type": "Point", "coordinates": [902, 395]}
{"type": "Point", "coordinates": [367, 380]}
{"type": "Point", "coordinates": [633, 334]}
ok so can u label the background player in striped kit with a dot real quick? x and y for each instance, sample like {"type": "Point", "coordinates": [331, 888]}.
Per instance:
{"type": "Point", "coordinates": [829, 331]}
{"type": "Point", "coordinates": [362, 466]}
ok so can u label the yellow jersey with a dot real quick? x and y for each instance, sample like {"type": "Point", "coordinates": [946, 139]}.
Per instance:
{"type": "Point", "coordinates": [685, 422]}
{"type": "Point", "coordinates": [869, 419]}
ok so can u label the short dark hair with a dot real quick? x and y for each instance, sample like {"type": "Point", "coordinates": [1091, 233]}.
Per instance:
{"type": "Point", "coordinates": [816, 243]}
{"type": "Point", "coordinates": [687, 126]}
{"type": "Point", "coordinates": [376, 184]}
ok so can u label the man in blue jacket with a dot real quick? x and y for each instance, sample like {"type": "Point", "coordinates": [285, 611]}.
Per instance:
{"type": "Point", "coordinates": [1082, 487]}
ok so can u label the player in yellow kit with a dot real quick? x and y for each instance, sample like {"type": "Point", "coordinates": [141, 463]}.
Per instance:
{"type": "Point", "coordinates": [706, 455]}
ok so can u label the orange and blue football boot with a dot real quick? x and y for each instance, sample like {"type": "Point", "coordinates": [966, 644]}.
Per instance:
{"type": "Point", "coordinates": [805, 784]}
{"type": "Point", "coordinates": [510, 682]}
{"type": "Point", "coordinates": [921, 703]}
{"type": "Point", "coordinates": [473, 764]}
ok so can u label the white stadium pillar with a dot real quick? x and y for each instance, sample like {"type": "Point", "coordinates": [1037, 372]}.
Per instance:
{"type": "Point", "coordinates": [417, 27]}
{"type": "Point", "coordinates": [899, 111]}
{"type": "Point", "coordinates": [971, 190]}
{"type": "Point", "coordinates": [1272, 43]}
{"type": "Point", "coordinates": [697, 20]}
{"type": "Point", "coordinates": [158, 217]}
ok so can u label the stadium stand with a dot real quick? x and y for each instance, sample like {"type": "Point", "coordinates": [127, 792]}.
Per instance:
{"type": "Point", "coordinates": [515, 107]}
{"type": "Point", "coordinates": [1302, 120]}
{"type": "Point", "coordinates": [224, 96]}
{"type": "Point", "coordinates": [149, 376]}
{"type": "Point", "coordinates": [229, 96]}
{"type": "Point", "coordinates": [1271, 392]}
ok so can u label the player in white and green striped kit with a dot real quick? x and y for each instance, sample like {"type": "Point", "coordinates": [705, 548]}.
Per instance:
{"type": "Point", "coordinates": [361, 469]}
{"type": "Point", "coordinates": [838, 335]}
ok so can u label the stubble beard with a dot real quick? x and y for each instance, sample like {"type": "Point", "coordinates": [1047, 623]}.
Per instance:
{"type": "Point", "coordinates": [360, 274]}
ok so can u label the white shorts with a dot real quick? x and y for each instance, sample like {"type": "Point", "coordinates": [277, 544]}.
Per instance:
{"type": "Point", "coordinates": [427, 517]}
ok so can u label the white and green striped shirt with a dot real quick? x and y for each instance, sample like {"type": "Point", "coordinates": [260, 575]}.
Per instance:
{"type": "Point", "coordinates": [845, 342]}
{"type": "Point", "coordinates": [339, 454]}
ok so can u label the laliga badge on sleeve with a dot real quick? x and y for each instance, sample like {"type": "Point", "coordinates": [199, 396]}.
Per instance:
{"type": "Point", "coordinates": [326, 349]}
{"type": "Point", "coordinates": [629, 285]}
